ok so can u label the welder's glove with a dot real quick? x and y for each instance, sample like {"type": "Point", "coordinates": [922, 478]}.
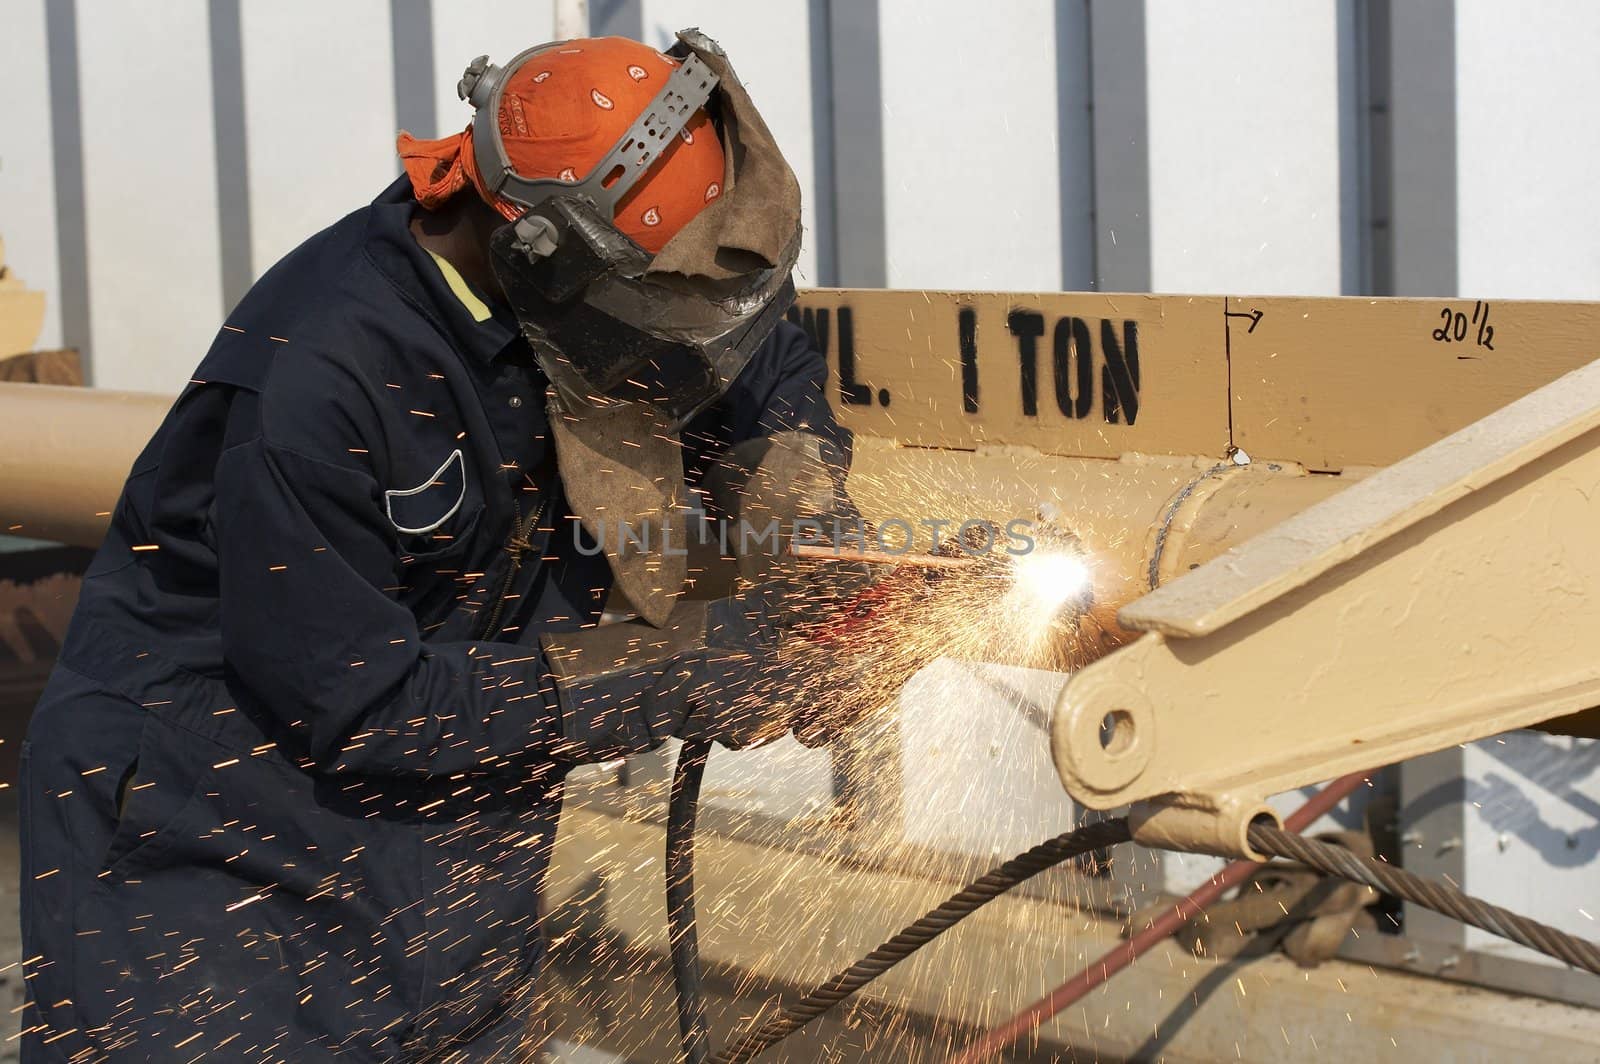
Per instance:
{"type": "Point", "coordinates": [778, 489]}
{"type": "Point", "coordinates": [713, 672]}
{"type": "Point", "coordinates": [859, 656]}
{"type": "Point", "coordinates": [868, 615]}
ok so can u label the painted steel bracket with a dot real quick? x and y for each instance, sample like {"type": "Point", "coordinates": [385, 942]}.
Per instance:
{"type": "Point", "coordinates": [21, 312]}
{"type": "Point", "coordinates": [1449, 597]}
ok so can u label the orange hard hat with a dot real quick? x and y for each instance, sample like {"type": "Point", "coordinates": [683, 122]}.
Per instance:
{"type": "Point", "coordinates": [561, 112]}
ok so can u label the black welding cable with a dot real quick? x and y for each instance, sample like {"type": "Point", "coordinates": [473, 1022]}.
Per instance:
{"type": "Point", "coordinates": [684, 946]}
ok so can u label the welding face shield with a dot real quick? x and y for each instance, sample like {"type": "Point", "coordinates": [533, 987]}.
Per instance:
{"type": "Point", "coordinates": [609, 322]}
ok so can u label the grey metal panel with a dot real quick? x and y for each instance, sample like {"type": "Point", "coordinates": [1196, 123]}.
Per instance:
{"type": "Point", "coordinates": [617, 18]}
{"type": "Point", "coordinates": [1120, 92]}
{"type": "Point", "coordinates": [1355, 146]}
{"type": "Point", "coordinates": [411, 39]}
{"type": "Point", "coordinates": [232, 151]}
{"type": "Point", "coordinates": [1512, 820]}
{"type": "Point", "coordinates": [1422, 141]}
{"type": "Point", "coordinates": [1075, 144]}
{"type": "Point", "coordinates": [1448, 961]}
{"type": "Point", "coordinates": [1432, 811]}
{"type": "Point", "coordinates": [66, 147]}
{"type": "Point", "coordinates": [824, 197]}
{"type": "Point", "coordinates": [1378, 49]}
{"type": "Point", "coordinates": [860, 239]}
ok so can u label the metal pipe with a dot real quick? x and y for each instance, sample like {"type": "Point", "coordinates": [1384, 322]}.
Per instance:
{"type": "Point", "coordinates": [64, 455]}
{"type": "Point", "coordinates": [1134, 517]}
{"type": "Point", "coordinates": [65, 452]}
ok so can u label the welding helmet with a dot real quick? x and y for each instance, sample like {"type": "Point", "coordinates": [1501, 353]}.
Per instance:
{"type": "Point", "coordinates": [609, 322]}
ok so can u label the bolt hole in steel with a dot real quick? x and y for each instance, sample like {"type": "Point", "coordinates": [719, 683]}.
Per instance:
{"type": "Point", "coordinates": [1116, 732]}
{"type": "Point", "coordinates": [1102, 734]}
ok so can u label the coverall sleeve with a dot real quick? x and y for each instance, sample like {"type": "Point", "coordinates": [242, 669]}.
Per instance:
{"type": "Point", "coordinates": [788, 392]}
{"type": "Point", "coordinates": [311, 624]}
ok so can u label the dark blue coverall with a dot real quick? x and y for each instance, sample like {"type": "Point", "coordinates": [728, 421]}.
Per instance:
{"type": "Point", "coordinates": [290, 791]}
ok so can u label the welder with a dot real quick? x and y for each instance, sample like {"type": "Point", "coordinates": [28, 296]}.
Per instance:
{"type": "Point", "coordinates": [292, 788]}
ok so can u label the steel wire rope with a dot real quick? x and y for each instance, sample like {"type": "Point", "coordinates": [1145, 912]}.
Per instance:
{"type": "Point", "coordinates": [1265, 838]}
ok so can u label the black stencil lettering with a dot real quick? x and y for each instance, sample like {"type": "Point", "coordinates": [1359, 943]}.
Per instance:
{"type": "Point", "coordinates": [1074, 364]}
{"type": "Point", "coordinates": [815, 323]}
{"type": "Point", "coordinates": [1119, 378]}
{"type": "Point", "coordinates": [967, 322]}
{"type": "Point", "coordinates": [850, 392]}
{"type": "Point", "coordinates": [1027, 326]}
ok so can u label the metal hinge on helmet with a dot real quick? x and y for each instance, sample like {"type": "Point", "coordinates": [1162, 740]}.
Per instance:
{"type": "Point", "coordinates": [478, 81]}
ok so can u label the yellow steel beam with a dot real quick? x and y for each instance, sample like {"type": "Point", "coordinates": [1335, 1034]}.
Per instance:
{"type": "Point", "coordinates": [1446, 598]}
{"type": "Point", "coordinates": [21, 312]}
{"type": "Point", "coordinates": [1325, 383]}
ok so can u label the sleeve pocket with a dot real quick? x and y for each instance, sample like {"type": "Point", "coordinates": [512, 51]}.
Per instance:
{"type": "Point", "coordinates": [422, 509]}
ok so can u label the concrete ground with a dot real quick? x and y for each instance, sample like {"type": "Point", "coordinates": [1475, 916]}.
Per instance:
{"type": "Point", "coordinates": [616, 1003]}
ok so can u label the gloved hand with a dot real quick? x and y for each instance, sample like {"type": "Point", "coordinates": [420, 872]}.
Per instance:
{"type": "Point", "coordinates": [747, 668]}
{"type": "Point", "coordinates": [858, 650]}
{"type": "Point", "coordinates": [714, 671]}
{"type": "Point", "coordinates": [790, 487]}
{"type": "Point", "coordinates": [861, 619]}
{"type": "Point", "coordinates": [778, 488]}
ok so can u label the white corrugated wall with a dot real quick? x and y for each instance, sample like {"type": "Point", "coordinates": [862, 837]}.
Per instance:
{"type": "Point", "coordinates": [979, 133]}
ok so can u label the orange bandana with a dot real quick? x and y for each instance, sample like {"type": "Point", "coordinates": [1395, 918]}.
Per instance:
{"type": "Point", "coordinates": [561, 112]}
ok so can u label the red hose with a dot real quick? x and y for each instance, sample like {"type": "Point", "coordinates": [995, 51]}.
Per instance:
{"type": "Point", "coordinates": [1161, 929]}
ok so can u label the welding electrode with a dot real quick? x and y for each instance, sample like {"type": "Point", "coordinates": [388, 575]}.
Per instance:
{"type": "Point", "coordinates": [816, 552]}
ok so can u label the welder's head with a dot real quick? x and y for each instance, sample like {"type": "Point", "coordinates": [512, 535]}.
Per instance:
{"type": "Point", "coordinates": [651, 223]}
